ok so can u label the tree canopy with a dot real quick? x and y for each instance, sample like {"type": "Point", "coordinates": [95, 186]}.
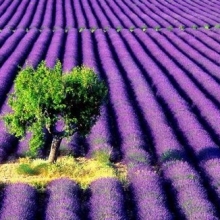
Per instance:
{"type": "Point", "coordinates": [45, 98]}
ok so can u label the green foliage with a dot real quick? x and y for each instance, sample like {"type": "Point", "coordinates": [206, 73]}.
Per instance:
{"type": "Point", "coordinates": [102, 156]}
{"type": "Point", "coordinates": [82, 29]}
{"type": "Point", "coordinates": [131, 29]}
{"type": "Point", "coordinates": [105, 29]}
{"type": "Point", "coordinates": [25, 169]}
{"type": "Point", "coordinates": [93, 29]}
{"type": "Point", "coordinates": [119, 28]}
{"type": "Point", "coordinates": [182, 27]}
{"type": "Point", "coordinates": [207, 26]}
{"type": "Point", "coordinates": [144, 27]}
{"type": "Point", "coordinates": [170, 28]}
{"type": "Point", "coordinates": [194, 27]}
{"type": "Point", "coordinates": [157, 28]}
{"type": "Point", "coordinates": [44, 96]}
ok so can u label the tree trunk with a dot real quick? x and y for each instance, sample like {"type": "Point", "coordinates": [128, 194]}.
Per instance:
{"type": "Point", "coordinates": [54, 149]}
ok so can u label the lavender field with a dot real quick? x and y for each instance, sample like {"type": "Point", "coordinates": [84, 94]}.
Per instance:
{"type": "Point", "coordinates": [161, 62]}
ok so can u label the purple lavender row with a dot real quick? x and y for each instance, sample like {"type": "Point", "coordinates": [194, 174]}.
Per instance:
{"type": "Point", "coordinates": [70, 58]}
{"type": "Point", "coordinates": [38, 15]}
{"type": "Point", "coordinates": [210, 56]}
{"type": "Point", "coordinates": [197, 138]}
{"type": "Point", "coordinates": [4, 6]}
{"type": "Point", "coordinates": [124, 19]}
{"type": "Point", "coordinates": [55, 48]}
{"type": "Point", "coordinates": [109, 13]}
{"type": "Point", "coordinates": [70, 21]}
{"type": "Point", "coordinates": [132, 154]}
{"type": "Point", "coordinates": [7, 142]}
{"type": "Point", "coordinates": [39, 48]}
{"type": "Point", "coordinates": [48, 15]}
{"type": "Point", "coordinates": [183, 17]}
{"type": "Point", "coordinates": [10, 44]}
{"type": "Point", "coordinates": [202, 9]}
{"type": "Point", "coordinates": [19, 202]}
{"type": "Point", "coordinates": [148, 195]}
{"type": "Point", "coordinates": [88, 54]}
{"type": "Point", "coordinates": [190, 14]}
{"type": "Point", "coordinates": [196, 12]}
{"type": "Point", "coordinates": [81, 22]}
{"type": "Point", "coordinates": [164, 140]}
{"type": "Point", "coordinates": [100, 136]}
{"type": "Point", "coordinates": [63, 200]}
{"type": "Point", "coordinates": [128, 11]}
{"type": "Point", "coordinates": [8, 13]}
{"type": "Point", "coordinates": [132, 139]}
{"type": "Point", "coordinates": [59, 14]}
{"type": "Point", "coordinates": [150, 17]}
{"type": "Point", "coordinates": [217, 31]}
{"type": "Point", "coordinates": [167, 11]}
{"type": "Point", "coordinates": [7, 71]}
{"type": "Point", "coordinates": [100, 14]}
{"type": "Point", "coordinates": [182, 11]}
{"type": "Point", "coordinates": [107, 200]}
{"type": "Point", "coordinates": [152, 12]}
{"type": "Point", "coordinates": [201, 76]}
{"type": "Point", "coordinates": [4, 35]}
{"type": "Point", "coordinates": [205, 106]}
{"type": "Point", "coordinates": [26, 19]}
{"type": "Point", "coordinates": [17, 15]}
{"type": "Point", "coordinates": [214, 6]}
{"type": "Point", "coordinates": [191, 195]}
{"type": "Point", "coordinates": [92, 21]}
{"type": "Point", "coordinates": [1, 2]}
{"type": "Point", "coordinates": [199, 45]}
{"type": "Point", "coordinates": [214, 37]}
{"type": "Point", "coordinates": [205, 39]}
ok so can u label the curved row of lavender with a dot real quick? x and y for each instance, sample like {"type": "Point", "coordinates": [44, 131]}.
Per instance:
{"type": "Point", "coordinates": [62, 200]}
{"type": "Point", "coordinates": [163, 138]}
{"type": "Point", "coordinates": [19, 202]}
{"type": "Point", "coordinates": [177, 132]}
{"type": "Point", "coordinates": [107, 200]}
{"type": "Point", "coordinates": [106, 13]}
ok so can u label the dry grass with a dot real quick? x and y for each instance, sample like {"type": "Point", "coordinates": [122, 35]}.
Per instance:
{"type": "Point", "coordinates": [39, 172]}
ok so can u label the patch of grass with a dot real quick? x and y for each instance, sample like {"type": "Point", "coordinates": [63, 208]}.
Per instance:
{"type": "Point", "coordinates": [118, 29]}
{"type": "Point", "coordinates": [157, 28]}
{"type": "Point", "coordinates": [195, 27]}
{"type": "Point", "coordinates": [38, 172]}
{"type": "Point", "coordinates": [170, 28]}
{"type": "Point", "coordinates": [207, 26]}
{"type": "Point", "coordinates": [182, 27]}
{"type": "Point", "coordinates": [144, 27]}
{"type": "Point", "coordinates": [131, 29]}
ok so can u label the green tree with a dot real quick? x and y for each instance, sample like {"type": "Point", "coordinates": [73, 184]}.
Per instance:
{"type": "Point", "coordinates": [45, 98]}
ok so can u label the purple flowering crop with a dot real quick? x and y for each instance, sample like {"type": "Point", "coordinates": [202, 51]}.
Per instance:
{"type": "Point", "coordinates": [148, 195]}
{"type": "Point", "coordinates": [107, 200]}
{"type": "Point", "coordinates": [19, 202]}
{"type": "Point", "coordinates": [55, 48]}
{"type": "Point", "coordinates": [39, 14]}
{"type": "Point", "coordinates": [63, 200]}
